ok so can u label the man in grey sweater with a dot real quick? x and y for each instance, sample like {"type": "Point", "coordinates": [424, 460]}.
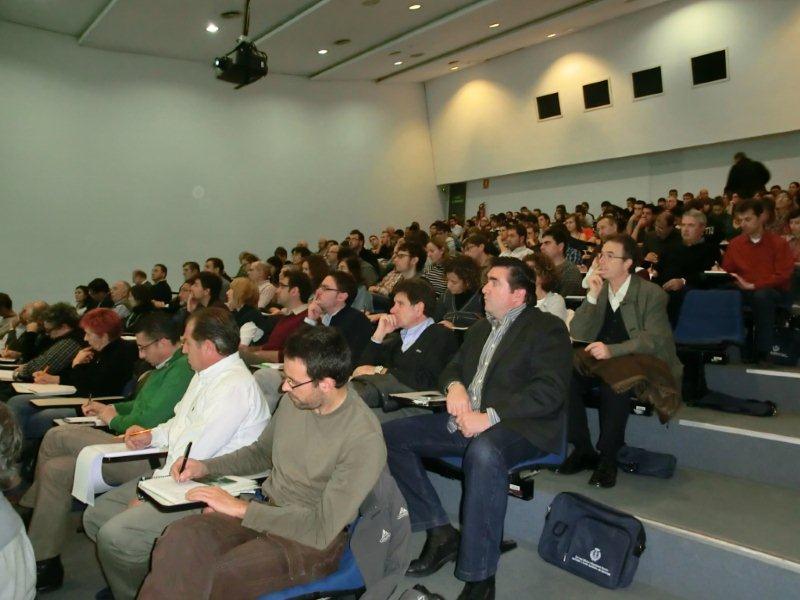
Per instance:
{"type": "Point", "coordinates": [325, 450]}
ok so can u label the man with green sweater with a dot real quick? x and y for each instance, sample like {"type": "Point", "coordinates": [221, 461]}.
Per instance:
{"type": "Point", "coordinates": [153, 403]}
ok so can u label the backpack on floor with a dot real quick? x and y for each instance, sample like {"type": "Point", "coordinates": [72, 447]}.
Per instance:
{"type": "Point", "coordinates": [646, 462]}
{"type": "Point", "coordinates": [591, 540]}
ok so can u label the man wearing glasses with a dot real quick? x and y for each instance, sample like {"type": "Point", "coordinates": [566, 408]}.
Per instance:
{"type": "Point", "coordinates": [622, 314]}
{"type": "Point", "coordinates": [153, 403]}
{"type": "Point", "coordinates": [325, 452]}
{"type": "Point", "coordinates": [331, 308]}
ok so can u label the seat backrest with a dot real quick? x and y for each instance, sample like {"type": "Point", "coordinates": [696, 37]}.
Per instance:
{"type": "Point", "coordinates": [710, 317]}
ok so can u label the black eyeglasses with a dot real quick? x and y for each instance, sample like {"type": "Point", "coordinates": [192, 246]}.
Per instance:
{"type": "Point", "coordinates": [294, 386]}
{"type": "Point", "coordinates": [146, 345]}
{"type": "Point", "coordinates": [325, 288]}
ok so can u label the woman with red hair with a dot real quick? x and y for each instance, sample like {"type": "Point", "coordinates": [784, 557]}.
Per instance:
{"type": "Point", "coordinates": [101, 369]}
{"type": "Point", "coordinates": [106, 365]}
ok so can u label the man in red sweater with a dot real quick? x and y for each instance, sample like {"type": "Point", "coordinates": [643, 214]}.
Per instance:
{"type": "Point", "coordinates": [761, 264]}
{"type": "Point", "coordinates": [294, 290]}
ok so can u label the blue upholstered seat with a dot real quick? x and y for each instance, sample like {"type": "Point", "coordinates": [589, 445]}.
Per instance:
{"type": "Point", "coordinates": [710, 317]}
{"type": "Point", "coordinates": [345, 580]}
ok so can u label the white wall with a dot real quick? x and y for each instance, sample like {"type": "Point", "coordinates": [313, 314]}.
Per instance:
{"type": "Point", "coordinates": [647, 177]}
{"type": "Point", "coordinates": [484, 123]}
{"type": "Point", "coordinates": [113, 161]}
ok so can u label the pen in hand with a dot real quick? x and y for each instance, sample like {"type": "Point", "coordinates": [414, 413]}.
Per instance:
{"type": "Point", "coordinates": [185, 457]}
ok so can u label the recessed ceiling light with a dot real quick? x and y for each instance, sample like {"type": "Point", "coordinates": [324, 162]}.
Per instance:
{"type": "Point", "coordinates": [493, 25]}
{"type": "Point", "coordinates": [322, 51]}
{"type": "Point", "coordinates": [212, 28]}
{"type": "Point", "coordinates": [398, 63]}
{"type": "Point", "coordinates": [551, 35]}
{"type": "Point", "coordinates": [454, 68]}
{"type": "Point", "coordinates": [415, 7]}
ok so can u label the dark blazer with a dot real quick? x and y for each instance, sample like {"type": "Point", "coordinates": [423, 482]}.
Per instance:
{"type": "Point", "coordinates": [356, 329]}
{"type": "Point", "coordinates": [419, 366]}
{"type": "Point", "coordinates": [527, 382]}
{"type": "Point", "coordinates": [161, 291]}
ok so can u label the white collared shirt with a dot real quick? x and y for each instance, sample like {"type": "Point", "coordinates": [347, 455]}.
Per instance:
{"type": "Point", "coordinates": [411, 335]}
{"type": "Point", "coordinates": [613, 299]}
{"type": "Point", "coordinates": [222, 410]}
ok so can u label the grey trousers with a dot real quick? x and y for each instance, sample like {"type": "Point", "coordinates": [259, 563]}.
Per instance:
{"type": "Point", "coordinates": [125, 536]}
{"type": "Point", "coordinates": [50, 496]}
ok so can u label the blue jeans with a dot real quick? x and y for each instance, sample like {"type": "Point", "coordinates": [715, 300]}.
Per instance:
{"type": "Point", "coordinates": [34, 422]}
{"type": "Point", "coordinates": [486, 460]}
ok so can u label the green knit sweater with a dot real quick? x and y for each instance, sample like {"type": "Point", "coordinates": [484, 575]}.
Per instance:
{"type": "Point", "coordinates": [155, 401]}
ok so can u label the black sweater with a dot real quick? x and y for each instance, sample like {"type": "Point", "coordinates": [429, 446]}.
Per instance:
{"type": "Point", "coordinates": [107, 373]}
{"type": "Point", "coordinates": [418, 367]}
{"type": "Point", "coordinates": [687, 262]}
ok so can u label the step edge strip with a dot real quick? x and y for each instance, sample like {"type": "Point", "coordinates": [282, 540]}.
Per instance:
{"type": "Point", "coordinates": [775, 437]}
{"type": "Point", "coordinates": [771, 373]}
{"type": "Point", "coordinates": [747, 551]}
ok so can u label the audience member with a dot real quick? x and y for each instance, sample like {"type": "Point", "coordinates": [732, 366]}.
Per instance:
{"type": "Point", "coordinates": [190, 270]}
{"type": "Point", "coordinates": [316, 268]}
{"type": "Point", "coordinates": [462, 304]}
{"type": "Point", "coordinates": [141, 305]}
{"type": "Point", "coordinates": [139, 277]}
{"type": "Point", "coordinates": [682, 267]}
{"type": "Point", "coordinates": [407, 351]}
{"type": "Point", "coordinates": [547, 300]}
{"type": "Point", "coordinates": [245, 258]}
{"type": "Point", "coordinates": [120, 296]}
{"type": "Point", "coordinates": [216, 267]}
{"type": "Point", "coordinates": [221, 412]}
{"type": "Point", "coordinates": [793, 236]}
{"type": "Point", "coordinates": [645, 225]}
{"type": "Point", "coordinates": [324, 452]}
{"type": "Point", "coordinates": [622, 315]}
{"type": "Point", "coordinates": [568, 276]}
{"type": "Point", "coordinates": [761, 264]}
{"type": "Point", "coordinates": [153, 403]}
{"type": "Point", "coordinates": [259, 273]}
{"type": "Point", "coordinates": [514, 243]}
{"type": "Point", "coordinates": [103, 368]}
{"type": "Point", "coordinates": [363, 299]}
{"type": "Point", "coordinates": [7, 315]}
{"type": "Point", "coordinates": [160, 292]}
{"type": "Point", "coordinates": [206, 288]}
{"type": "Point", "coordinates": [17, 563]}
{"type": "Point", "coordinates": [438, 254]}
{"type": "Point", "coordinates": [408, 258]}
{"type": "Point", "coordinates": [82, 299]}
{"type": "Point", "coordinates": [242, 302]}
{"type": "Point", "coordinates": [496, 417]}
{"type": "Point", "coordinates": [294, 290]}
{"type": "Point", "coordinates": [60, 322]}
{"type": "Point", "coordinates": [356, 240]}
{"type": "Point", "coordinates": [99, 294]}
{"type": "Point", "coordinates": [665, 238]}
{"type": "Point", "coordinates": [480, 249]}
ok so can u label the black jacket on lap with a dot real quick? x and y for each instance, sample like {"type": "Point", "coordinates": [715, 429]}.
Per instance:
{"type": "Point", "coordinates": [418, 367]}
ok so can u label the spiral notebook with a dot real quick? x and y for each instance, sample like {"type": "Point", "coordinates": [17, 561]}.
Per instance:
{"type": "Point", "coordinates": [168, 492]}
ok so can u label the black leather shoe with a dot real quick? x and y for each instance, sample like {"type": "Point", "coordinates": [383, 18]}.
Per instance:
{"type": "Point", "coordinates": [440, 548]}
{"type": "Point", "coordinates": [579, 460]}
{"type": "Point", "coordinates": [605, 475]}
{"type": "Point", "coordinates": [478, 590]}
{"type": "Point", "coordinates": [49, 574]}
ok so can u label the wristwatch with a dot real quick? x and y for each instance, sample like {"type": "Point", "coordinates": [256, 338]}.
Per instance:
{"type": "Point", "coordinates": [379, 370]}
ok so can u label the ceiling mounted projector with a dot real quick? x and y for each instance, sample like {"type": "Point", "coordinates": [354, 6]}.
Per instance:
{"type": "Point", "coordinates": [245, 63]}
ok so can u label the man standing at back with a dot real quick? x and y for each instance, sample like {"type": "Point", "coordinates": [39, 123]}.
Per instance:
{"type": "Point", "coordinates": [222, 410]}
{"type": "Point", "coordinates": [507, 390]}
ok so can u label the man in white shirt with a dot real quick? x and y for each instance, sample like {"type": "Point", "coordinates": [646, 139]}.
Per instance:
{"type": "Point", "coordinates": [258, 272]}
{"type": "Point", "coordinates": [222, 410]}
{"type": "Point", "coordinates": [515, 242]}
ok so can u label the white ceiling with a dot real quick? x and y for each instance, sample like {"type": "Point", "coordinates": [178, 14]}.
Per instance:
{"type": "Point", "coordinates": [291, 31]}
